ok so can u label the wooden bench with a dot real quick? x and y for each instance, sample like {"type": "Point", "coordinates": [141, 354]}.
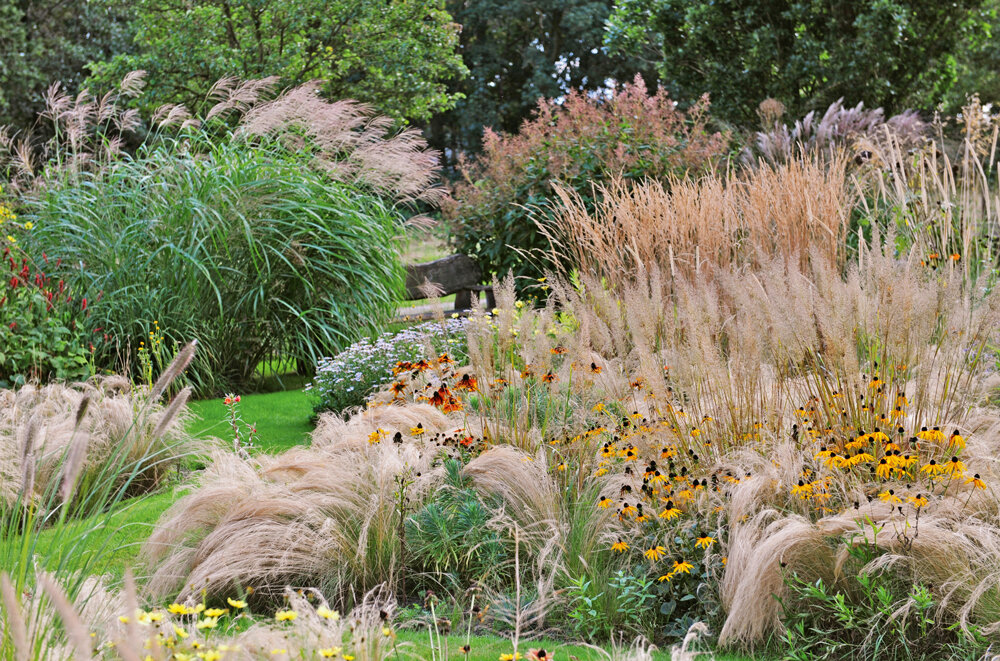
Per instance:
{"type": "Point", "coordinates": [455, 274]}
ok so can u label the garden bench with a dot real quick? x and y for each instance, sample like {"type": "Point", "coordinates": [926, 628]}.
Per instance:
{"type": "Point", "coordinates": [455, 274]}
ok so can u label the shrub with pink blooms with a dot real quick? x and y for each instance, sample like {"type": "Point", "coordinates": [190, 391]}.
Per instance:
{"type": "Point", "coordinates": [505, 196]}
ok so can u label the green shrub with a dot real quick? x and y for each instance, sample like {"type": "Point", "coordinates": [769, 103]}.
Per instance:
{"type": "Point", "coordinates": [876, 613]}
{"type": "Point", "coordinates": [578, 142]}
{"type": "Point", "coordinates": [239, 247]}
{"type": "Point", "coordinates": [450, 538]}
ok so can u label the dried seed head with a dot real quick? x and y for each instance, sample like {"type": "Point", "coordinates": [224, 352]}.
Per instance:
{"type": "Point", "coordinates": [174, 369]}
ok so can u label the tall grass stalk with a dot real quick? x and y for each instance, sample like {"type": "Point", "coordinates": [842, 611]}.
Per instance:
{"type": "Point", "coordinates": [76, 548]}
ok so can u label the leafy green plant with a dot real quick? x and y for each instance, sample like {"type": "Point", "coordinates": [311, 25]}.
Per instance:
{"type": "Point", "coordinates": [584, 608]}
{"type": "Point", "coordinates": [449, 539]}
{"type": "Point", "coordinates": [43, 328]}
{"type": "Point", "coordinates": [871, 614]}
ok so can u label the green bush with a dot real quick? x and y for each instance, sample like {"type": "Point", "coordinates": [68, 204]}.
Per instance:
{"type": "Point", "coordinates": [239, 245]}
{"type": "Point", "coordinates": [871, 614]}
{"type": "Point", "coordinates": [579, 143]}
{"type": "Point", "coordinates": [450, 538]}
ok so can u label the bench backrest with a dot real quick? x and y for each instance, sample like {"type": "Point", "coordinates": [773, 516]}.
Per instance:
{"type": "Point", "coordinates": [453, 274]}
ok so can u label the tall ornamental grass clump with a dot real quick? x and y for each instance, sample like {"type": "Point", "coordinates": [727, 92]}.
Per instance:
{"type": "Point", "coordinates": [506, 193]}
{"type": "Point", "coordinates": [262, 228]}
{"type": "Point", "coordinates": [240, 247]}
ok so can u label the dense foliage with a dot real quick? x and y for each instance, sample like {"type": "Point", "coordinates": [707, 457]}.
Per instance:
{"type": "Point", "coordinates": [504, 200]}
{"type": "Point", "coordinates": [887, 53]}
{"type": "Point", "coordinates": [396, 56]}
{"type": "Point", "coordinates": [42, 41]}
{"type": "Point", "coordinates": [520, 52]}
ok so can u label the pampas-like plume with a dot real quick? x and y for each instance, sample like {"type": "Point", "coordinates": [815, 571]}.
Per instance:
{"type": "Point", "coordinates": [75, 627]}
{"type": "Point", "coordinates": [77, 454]}
{"type": "Point", "coordinates": [174, 369]}
{"type": "Point", "coordinates": [176, 406]}
{"type": "Point", "coordinates": [13, 619]}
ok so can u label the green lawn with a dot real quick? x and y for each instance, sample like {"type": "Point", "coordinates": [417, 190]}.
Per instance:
{"type": "Point", "coordinates": [108, 543]}
{"type": "Point", "coordinates": [283, 419]}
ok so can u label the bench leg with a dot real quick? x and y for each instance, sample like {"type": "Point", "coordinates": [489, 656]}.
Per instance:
{"type": "Point", "coordinates": [463, 300]}
{"type": "Point", "coordinates": [491, 300]}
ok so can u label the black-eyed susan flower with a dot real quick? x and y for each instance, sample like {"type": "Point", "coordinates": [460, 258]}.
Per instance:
{"type": "Point", "coordinates": [670, 512]}
{"type": "Point", "coordinates": [655, 553]}
{"type": "Point", "coordinates": [918, 501]}
{"type": "Point", "coordinates": [595, 368]}
{"type": "Point", "coordinates": [889, 496]}
{"type": "Point", "coordinates": [682, 567]}
{"type": "Point", "coordinates": [704, 542]}
{"type": "Point", "coordinates": [619, 546]}
{"type": "Point", "coordinates": [954, 467]}
{"type": "Point", "coordinates": [467, 383]}
{"type": "Point", "coordinates": [932, 468]}
{"type": "Point", "coordinates": [955, 441]}
{"type": "Point", "coordinates": [418, 430]}
{"type": "Point", "coordinates": [976, 482]}
{"type": "Point", "coordinates": [558, 350]}
{"type": "Point", "coordinates": [549, 377]}
{"type": "Point", "coordinates": [803, 490]}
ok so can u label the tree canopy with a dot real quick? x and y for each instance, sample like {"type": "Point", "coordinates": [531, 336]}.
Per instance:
{"type": "Point", "coordinates": [397, 56]}
{"type": "Point", "coordinates": [519, 51]}
{"type": "Point", "coordinates": [805, 53]}
{"type": "Point", "coordinates": [44, 41]}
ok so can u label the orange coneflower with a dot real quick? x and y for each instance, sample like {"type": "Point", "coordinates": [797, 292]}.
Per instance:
{"type": "Point", "coordinates": [704, 542]}
{"type": "Point", "coordinates": [558, 350]}
{"type": "Point", "coordinates": [956, 441]}
{"type": "Point", "coordinates": [954, 467]}
{"type": "Point", "coordinates": [549, 377]}
{"type": "Point", "coordinates": [595, 368]}
{"type": "Point", "coordinates": [619, 546]}
{"type": "Point", "coordinates": [890, 497]}
{"type": "Point", "coordinates": [604, 503]}
{"type": "Point", "coordinates": [670, 512]}
{"type": "Point", "coordinates": [655, 553]}
{"type": "Point", "coordinates": [682, 566]}
{"type": "Point", "coordinates": [976, 482]}
{"type": "Point", "coordinates": [467, 382]}
{"type": "Point", "coordinates": [932, 468]}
